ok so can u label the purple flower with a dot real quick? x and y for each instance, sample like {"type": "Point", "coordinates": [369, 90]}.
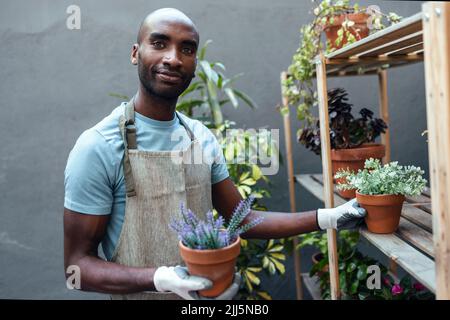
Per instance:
{"type": "Point", "coordinates": [418, 286]}
{"type": "Point", "coordinates": [396, 289]}
{"type": "Point", "coordinates": [211, 232]}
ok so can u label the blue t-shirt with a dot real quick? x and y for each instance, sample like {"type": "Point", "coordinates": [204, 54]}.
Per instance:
{"type": "Point", "coordinates": [94, 181]}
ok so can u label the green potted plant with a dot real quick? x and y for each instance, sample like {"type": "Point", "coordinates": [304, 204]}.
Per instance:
{"type": "Point", "coordinates": [344, 23]}
{"type": "Point", "coordinates": [210, 249]}
{"type": "Point", "coordinates": [381, 190]}
{"type": "Point", "coordinates": [353, 267]}
{"type": "Point", "coordinates": [352, 139]}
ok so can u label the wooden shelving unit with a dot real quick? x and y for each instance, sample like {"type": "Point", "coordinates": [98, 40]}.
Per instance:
{"type": "Point", "coordinates": [421, 245]}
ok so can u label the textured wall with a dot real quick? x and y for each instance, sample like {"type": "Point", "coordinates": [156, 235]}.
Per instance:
{"type": "Point", "coordinates": [55, 84]}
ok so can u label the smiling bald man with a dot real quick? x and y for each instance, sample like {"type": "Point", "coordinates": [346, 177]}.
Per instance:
{"type": "Point", "coordinates": [122, 187]}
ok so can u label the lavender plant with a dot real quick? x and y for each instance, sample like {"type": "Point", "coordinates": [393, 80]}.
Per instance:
{"type": "Point", "coordinates": [212, 233]}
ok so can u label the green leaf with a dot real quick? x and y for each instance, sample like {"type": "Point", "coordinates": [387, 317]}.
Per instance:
{"type": "Point", "coordinates": [351, 267]}
{"type": "Point", "coordinates": [245, 98]}
{"type": "Point", "coordinates": [249, 182]}
{"type": "Point", "coordinates": [362, 273]}
{"type": "Point", "coordinates": [264, 295]}
{"type": "Point", "coordinates": [202, 54]}
{"type": "Point", "coordinates": [278, 265]}
{"type": "Point", "coordinates": [218, 64]}
{"type": "Point", "coordinates": [276, 248]}
{"type": "Point", "coordinates": [232, 97]}
{"type": "Point", "coordinates": [210, 73]}
{"type": "Point", "coordinates": [256, 172]}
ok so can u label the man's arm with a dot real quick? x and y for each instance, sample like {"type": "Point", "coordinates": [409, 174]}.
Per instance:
{"type": "Point", "coordinates": [226, 197]}
{"type": "Point", "coordinates": [82, 235]}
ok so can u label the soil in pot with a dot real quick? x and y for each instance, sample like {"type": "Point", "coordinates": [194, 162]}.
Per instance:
{"type": "Point", "coordinates": [217, 265]}
{"type": "Point", "coordinates": [359, 30]}
{"type": "Point", "coordinates": [383, 211]}
{"type": "Point", "coordinates": [353, 159]}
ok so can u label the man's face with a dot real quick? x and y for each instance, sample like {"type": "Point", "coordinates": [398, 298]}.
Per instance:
{"type": "Point", "coordinates": [166, 57]}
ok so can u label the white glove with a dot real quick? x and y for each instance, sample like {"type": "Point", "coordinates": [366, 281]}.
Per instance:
{"type": "Point", "coordinates": [346, 216]}
{"type": "Point", "coordinates": [179, 281]}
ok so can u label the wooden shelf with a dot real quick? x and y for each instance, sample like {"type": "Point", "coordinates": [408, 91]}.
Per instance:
{"type": "Point", "coordinates": [411, 246]}
{"type": "Point", "coordinates": [421, 37]}
{"type": "Point", "coordinates": [397, 45]}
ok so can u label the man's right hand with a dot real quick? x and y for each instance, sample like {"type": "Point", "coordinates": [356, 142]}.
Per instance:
{"type": "Point", "coordinates": [179, 281]}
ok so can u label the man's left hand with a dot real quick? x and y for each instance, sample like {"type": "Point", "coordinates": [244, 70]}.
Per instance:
{"type": "Point", "coordinates": [347, 216]}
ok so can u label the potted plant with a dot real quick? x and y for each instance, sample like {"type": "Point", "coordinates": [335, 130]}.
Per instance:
{"type": "Point", "coordinates": [210, 249]}
{"type": "Point", "coordinates": [344, 24]}
{"type": "Point", "coordinates": [353, 271]}
{"type": "Point", "coordinates": [352, 139]}
{"type": "Point", "coordinates": [381, 190]}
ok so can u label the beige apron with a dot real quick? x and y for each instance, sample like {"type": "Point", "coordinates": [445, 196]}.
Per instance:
{"type": "Point", "coordinates": [157, 182]}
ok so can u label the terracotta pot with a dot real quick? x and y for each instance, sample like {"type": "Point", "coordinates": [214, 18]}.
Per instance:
{"type": "Point", "coordinates": [353, 159]}
{"type": "Point", "coordinates": [383, 211]}
{"type": "Point", "coordinates": [360, 29]}
{"type": "Point", "coordinates": [216, 265]}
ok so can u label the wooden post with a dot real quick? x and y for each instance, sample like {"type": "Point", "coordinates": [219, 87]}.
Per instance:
{"type": "Point", "coordinates": [384, 112]}
{"type": "Point", "coordinates": [436, 29]}
{"type": "Point", "coordinates": [327, 174]}
{"type": "Point", "coordinates": [290, 173]}
{"type": "Point", "coordinates": [385, 138]}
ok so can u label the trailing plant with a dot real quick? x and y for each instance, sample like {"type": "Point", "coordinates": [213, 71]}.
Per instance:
{"type": "Point", "coordinates": [298, 87]}
{"type": "Point", "coordinates": [390, 178]}
{"type": "Point", "coordinates": [212, 233]}
{"type": "Point", "coordinates": [346, 131]}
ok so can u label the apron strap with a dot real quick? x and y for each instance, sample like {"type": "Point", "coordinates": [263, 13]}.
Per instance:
{"type": "Point", "coordinates": [128, 132]}
{"type": "Point", "coordinates": [183, 123]}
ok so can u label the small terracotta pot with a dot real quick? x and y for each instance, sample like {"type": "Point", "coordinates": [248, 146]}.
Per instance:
{"type": "Point", "coordinates": [360, 29]}
{"type": "Point", "coordinates": [216, 265]}
{"type": "Point", "coordinates": [353, 159]}
{"type": "Point", "coordinates": [383, 211]}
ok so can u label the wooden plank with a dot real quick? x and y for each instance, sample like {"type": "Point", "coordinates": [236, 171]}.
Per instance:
{"type": "Point", "coordinates": [290, 172]}
{"type": "Point", "coordinates": [419, 217]}
{"type": "Point", "coordinates": [326, 167]}
{"type": "Point", "coordinates": [384, 112]}
{"type": "Point", "coordinates": [406, 27]}
{"type": "Point", "coordinates": [402, 43]}
{"type": "Point", "coordinates": [313, 286]}
{"type": "Point", "coordinates": [437, 78]}
{"type": "Point", "coordinates": [418, 237]}
{"type": "Point", "coordinates": [408, 50]}
{"type": "Point", "coordinates": [367, 60]}
{"type": "Point", "coordinates": [418, 199]}
{"type": "Point", "coordinates": [415, 263]}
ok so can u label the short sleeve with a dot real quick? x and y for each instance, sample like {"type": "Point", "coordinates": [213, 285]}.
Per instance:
{"type": "Point", "coordinates": [219, 170]}
{"type": "Point", "coordinates": [88, 175]}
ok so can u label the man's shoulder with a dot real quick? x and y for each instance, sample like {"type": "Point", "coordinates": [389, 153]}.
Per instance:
{"type": "Point", "coordinates": [99, 137]}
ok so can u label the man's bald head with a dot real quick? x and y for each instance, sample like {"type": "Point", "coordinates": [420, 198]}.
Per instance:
{"type": "Point", "coordinates": [167, 15]}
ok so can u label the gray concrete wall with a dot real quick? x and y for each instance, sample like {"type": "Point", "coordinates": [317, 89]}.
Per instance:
{"type": "Point", "coordinates": [55, 84]}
